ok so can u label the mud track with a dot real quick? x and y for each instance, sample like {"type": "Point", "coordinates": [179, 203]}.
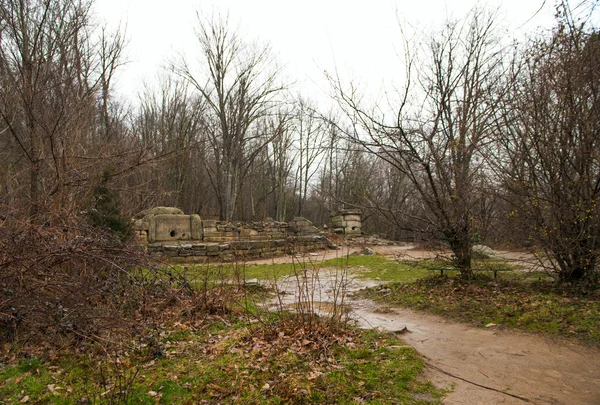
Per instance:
{"type": "Point", "coordinates": [539, 370]}
{"type": "Point", "coordinates": [483, 366]}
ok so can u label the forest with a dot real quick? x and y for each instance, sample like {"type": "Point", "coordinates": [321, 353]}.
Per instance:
{"type": "Point", "coordinates": [482, 140]}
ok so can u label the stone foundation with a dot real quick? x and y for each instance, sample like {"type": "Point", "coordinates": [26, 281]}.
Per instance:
{"type": "Point", "coordinates": [188, 238]}
{"type": "Point", "coordinates": [197, 251]}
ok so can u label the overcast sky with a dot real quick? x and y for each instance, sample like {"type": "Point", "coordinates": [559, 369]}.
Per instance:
{"type": "Point", "coordinates": [360, 38]}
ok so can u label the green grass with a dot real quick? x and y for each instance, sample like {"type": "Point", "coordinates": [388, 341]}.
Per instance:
{"type": "Point", "coordinates": [536, 306]}
{"type": "Point", "coordinates": [367, 267]}
{"type": "Point", "coordinates": [232, 363]}
{"type": "Point", "coordinates": [380, 268]}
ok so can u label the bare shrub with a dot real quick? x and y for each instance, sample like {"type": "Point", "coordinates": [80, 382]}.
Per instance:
{"type": "Point", "coordinates": [67, 283]}
{"type": "Point", "coordinates": [314, 312]}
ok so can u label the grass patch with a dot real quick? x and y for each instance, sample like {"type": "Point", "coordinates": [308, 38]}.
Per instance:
{"type": "Point", "coordinates": [536, 306]}
{"type": "Point", "coordinates": [367, 267]}
{"type": "Point", "coordinates": [213, 361]}
{"type": "Point", "coordinates": [213, 273]}
{"type": "Point", "coordinates": [380, 268]}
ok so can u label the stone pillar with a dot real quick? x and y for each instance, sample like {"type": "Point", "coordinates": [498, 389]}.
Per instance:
{"type": "Point", "coordinates": [347, 222]}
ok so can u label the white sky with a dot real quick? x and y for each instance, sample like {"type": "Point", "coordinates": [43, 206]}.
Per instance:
{"type": "Point", "coordinates": [360, 38]}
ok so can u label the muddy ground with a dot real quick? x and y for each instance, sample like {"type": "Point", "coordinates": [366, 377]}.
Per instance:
{"type": "Point", "coordinates": [482, 366]}
{"type": "Point", "coordinates": [536, 369]}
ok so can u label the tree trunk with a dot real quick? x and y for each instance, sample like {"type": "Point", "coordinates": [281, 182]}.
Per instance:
{"type": "Point", "coordinates": [461, 248]}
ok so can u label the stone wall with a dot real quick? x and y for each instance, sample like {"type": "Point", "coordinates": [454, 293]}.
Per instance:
{"type": "Point", "coordinates": [168, 232]}
{"type": "Point", "coordinates": [238, 250]}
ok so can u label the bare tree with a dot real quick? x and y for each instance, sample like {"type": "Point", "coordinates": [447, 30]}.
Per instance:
{"type": "Point", "coordinates": [551, 154]}
{"type": "Point", "coordinates": [239, 85]}
{"type": "Point", "coordinates": [310, 147]}
{"type": "Point", "coordinates": [281, 160]}
{"type": "Point", "coordinates": [437, 135]}
{"type": "Point", "coordinates": [111, 58]}
{"type": "Point", "coordinates": [169, 123]}
{"type": "Point", "coordinates": [51, 69]}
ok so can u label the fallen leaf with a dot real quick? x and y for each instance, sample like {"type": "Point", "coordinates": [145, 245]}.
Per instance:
{"type": "Point", "coordinates": [489, 325]}
{"type": "Point", "coordinates": [152, 393]}
{"type": "Point", "coordinates": [25, 399]}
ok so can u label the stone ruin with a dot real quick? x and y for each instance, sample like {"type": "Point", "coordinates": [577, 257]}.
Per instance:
{"type": "Point", "coordinates": [346, 222]}
{"type": "Point", "coordinates": [168, 232]}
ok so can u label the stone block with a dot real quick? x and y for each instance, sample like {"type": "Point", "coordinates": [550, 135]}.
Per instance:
{"type": "Point", "coordinates": [241, 245]}
{"type": "Point", "coordinates": [196, 227]}
{"type": "Point", "coordinates": [248, 233]}
{"type": "Point", "coordinates": [337, 221]}
{"type": "Point", "coordinates": [166, 228]}
{"type": "Point", "coordinates": [160, 211]}
{"type": "Point", "coordinates": [209, 223]}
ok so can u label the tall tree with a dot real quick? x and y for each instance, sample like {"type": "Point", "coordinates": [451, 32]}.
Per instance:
{"type": "Point", "coordinates": [239, 85]}
{"type": "Point", "coordinates": [169, 123]}
{"type": "Point", "coordinates": [310, 130]}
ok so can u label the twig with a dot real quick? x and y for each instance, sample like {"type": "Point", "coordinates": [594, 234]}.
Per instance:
{"type": "Point", "coordinates": [476, 384]}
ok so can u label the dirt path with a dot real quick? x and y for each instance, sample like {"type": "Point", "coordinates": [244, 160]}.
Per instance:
{"type": "Point", "coordinates": [526, 261]}
{"type": "Point", "coordinates": [539, 370]}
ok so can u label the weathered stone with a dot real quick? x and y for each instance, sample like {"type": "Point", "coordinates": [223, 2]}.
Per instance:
{"type": "Point", "coordinates": [483, 251]}
{"type": "Point", "coordinates": [248, 233]}
{"type": "Point", "coordinates": [352, 217]}
{"type": "Point", "coordinates": [209, 223]}
{"type": "Point", "coordinates": [159, 211]}
{"type": "Point", "coordinates": [368, 252]}
{"type": "Point", "coordinates": [346, 222]}
{"type": "Point", "coordinates": [337, 221]}
{"type": "Point", "coordinates": [196, 227]}
{"type": "Point", "coordinates": [170, 228]}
